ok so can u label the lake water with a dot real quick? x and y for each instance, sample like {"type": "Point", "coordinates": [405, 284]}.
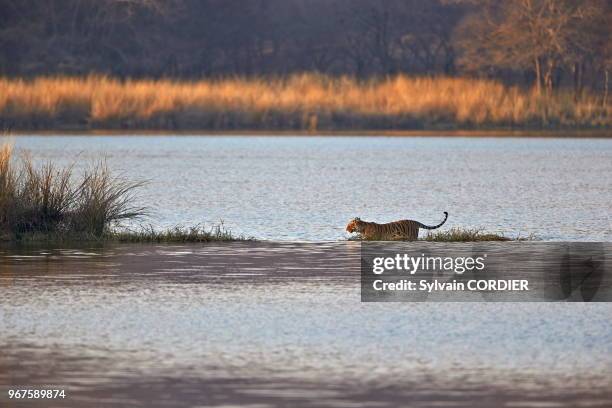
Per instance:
{"type": "Point", "coordinates": [307, 188]}
{"type": "Point", "coordinates": [268, 325]}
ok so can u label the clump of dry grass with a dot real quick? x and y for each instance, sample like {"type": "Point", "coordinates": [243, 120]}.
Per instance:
{"type": "Point", "coordinates": [47, 201]}
{"type": "Point", "coordinates": [174, 235]}
{"type": "Point", "coordinates": [303, 102]}
{"type": "Point", "coordinates": [470, 235]}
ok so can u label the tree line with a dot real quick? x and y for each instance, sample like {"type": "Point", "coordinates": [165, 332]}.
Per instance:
{"type": "Point", "coordinates": [539, 43]}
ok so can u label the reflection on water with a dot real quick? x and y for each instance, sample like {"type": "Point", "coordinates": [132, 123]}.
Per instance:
{"type": "Point", "coordinates": [307, 188]}
{"type": "Point", "coordinates": [275, 325]}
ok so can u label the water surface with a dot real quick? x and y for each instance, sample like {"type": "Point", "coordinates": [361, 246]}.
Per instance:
{"type": "Point", "coordinates": [307, 188]}
{"type": "Point", "coordinates": [278, 325]}
{"type": "Point", "coordinates": [267, 325]}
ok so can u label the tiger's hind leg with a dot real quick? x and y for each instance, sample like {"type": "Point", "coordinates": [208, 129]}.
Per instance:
{"type": "Point", "coordinates": [413, 235]}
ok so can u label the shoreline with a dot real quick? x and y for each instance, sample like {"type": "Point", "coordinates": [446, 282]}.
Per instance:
{"type": "Point", "coordinates": [8, 245]}
{"type": "Point", "coordinates": [414, 133]}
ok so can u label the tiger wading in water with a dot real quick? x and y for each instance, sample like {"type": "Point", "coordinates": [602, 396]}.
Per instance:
{"type": "Point", "coordinates": [397, 230]}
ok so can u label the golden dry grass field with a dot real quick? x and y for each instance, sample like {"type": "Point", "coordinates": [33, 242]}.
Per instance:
{"type": "Point", "coordinates": [300, 102]}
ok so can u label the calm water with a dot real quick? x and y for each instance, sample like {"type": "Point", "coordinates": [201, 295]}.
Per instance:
{"type": "Point", "coordinates": [265, 325]}
{"type": "Point", "coordinates": [307, 188]}
{"type": "Point", "coordinates": [273, 325]}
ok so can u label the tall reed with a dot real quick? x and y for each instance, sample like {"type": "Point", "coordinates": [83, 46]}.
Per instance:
{"type": "Point", "coordinates": [305, 101]}
{"type": "Point", "coordinates": [47, 200]}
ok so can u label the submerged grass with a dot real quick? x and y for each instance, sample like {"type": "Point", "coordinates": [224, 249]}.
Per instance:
{"type": "Point", "coordinates": [44, 203]}
{"type": "Point", "coordinates": [298, 102]}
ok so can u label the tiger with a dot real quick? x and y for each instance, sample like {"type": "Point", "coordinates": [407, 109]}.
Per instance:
{"type": "Point", "coordinates": [397, 230]}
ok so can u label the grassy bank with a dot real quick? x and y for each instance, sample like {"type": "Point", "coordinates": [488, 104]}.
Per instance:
{"type": "Point", "coordinates": [45, 203]}
{"type": "Point", "coordinates": [301, 102]}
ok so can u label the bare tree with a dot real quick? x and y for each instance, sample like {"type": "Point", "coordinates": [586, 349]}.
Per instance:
{"type": "Point", "coordinates": [553, 41]}
{"type": "Point", "coordinates": [541, 35]}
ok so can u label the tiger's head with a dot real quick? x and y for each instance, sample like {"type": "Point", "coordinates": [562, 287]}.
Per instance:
{"type": "Point", "coordinates": [354, 225]}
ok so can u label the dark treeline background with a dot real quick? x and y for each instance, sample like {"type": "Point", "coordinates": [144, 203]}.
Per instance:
{"type": "Point", "coordinates": [544, 43]}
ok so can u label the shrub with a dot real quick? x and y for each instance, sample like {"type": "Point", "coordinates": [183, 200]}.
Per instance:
{"type": "Point", "coordinates": [47, 200]}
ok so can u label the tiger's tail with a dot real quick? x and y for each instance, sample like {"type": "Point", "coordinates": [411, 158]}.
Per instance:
{"type": "Point", "coordinates": [435, 226]}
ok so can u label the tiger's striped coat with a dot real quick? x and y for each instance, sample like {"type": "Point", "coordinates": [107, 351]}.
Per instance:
{"type": "Point", "coordinates": [392, 231]}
